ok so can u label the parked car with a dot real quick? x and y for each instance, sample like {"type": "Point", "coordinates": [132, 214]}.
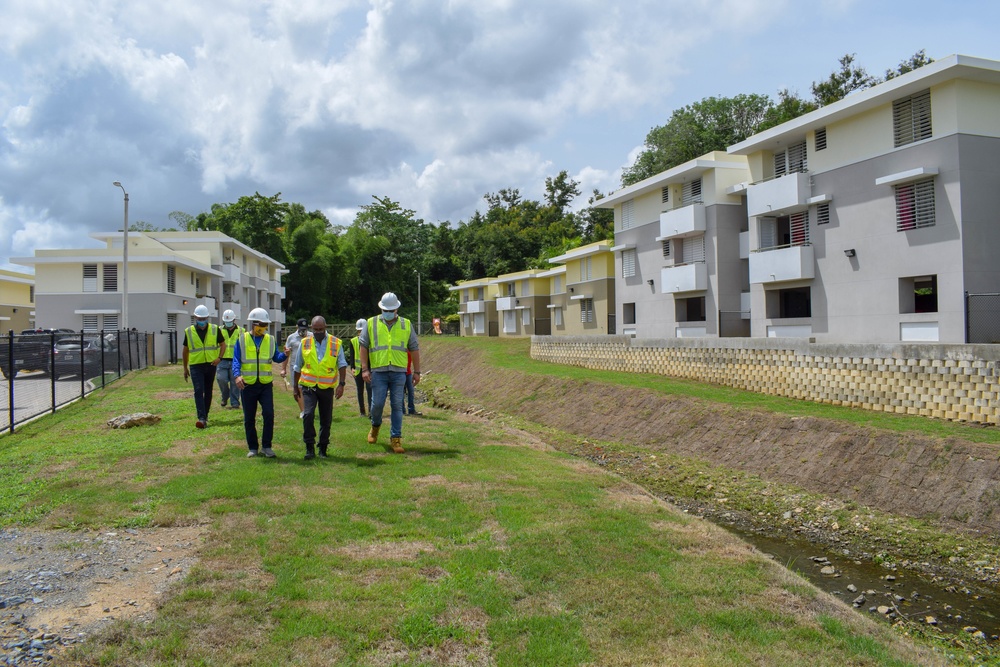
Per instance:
{"type": "Point", "coordinates": [70, 357]}
{"type": "Point", "coordinates": [32, 351]}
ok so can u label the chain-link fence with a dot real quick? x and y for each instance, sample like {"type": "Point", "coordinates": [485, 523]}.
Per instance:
{"type": "Point", "coordinates": [48, 369]}
{"type": "Point", "coordinates": [982, 318]}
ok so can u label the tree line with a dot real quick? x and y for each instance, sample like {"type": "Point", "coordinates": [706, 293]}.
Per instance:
{"type": "Point", "coordinates": [341, 272]}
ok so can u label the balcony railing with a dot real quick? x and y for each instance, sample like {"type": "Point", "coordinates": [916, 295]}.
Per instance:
{"type": "Point", "coordinates": [781, 263]}
{"type": "Point", "coordinates": [685, 221]}
{"type": "Point", "coordinates": [475, 307]}
{"type": "Point", "coordinates": [681, 278]}
{"type": "Point", "coordinates": [779, 196]}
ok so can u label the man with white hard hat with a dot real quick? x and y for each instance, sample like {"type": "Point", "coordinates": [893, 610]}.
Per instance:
{"type": "Point", "coordinates": [354, 360]}
{"type": "Point", "coordinates": [255, 354]}
{"type": "Point", "coordinates": [203, 348]}
{"type": "Point", "coordinates": [230, 333]}
{"type": "Point", "coordinates": [384, 343]}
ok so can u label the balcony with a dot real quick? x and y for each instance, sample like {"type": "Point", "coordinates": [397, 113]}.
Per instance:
{"type": "Point", "coordinates": [744, 245]}
{"type": "Point", "coordinates": [506, 303]}
{"type": "Point", "coordinates": [277, 316]}
{"type": "Point", "coordinates": [235, 307]}
{"type": "Point", "coordinates": [475, 306]}
{"type": "Point", "coordinates": [685, 221]}
{"type": "Point", "coordinates": [775, 265]}
{"type": "Point", "coordinates": [230, 273]}
{"type": "Point", "coordinates": [779, 196]}
{"type": "Point", "coordinates": [684, 278]}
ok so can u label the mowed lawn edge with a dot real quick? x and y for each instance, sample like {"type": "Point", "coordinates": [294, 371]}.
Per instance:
{"type": "Point", "coordinates": [480, 546]}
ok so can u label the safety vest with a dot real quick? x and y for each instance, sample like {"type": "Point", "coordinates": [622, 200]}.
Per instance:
{"type": "Point", "coordinates": [356, 344]}
{"type": "Point", "coordinates": [252, 368]}
{"type": "Point", "coordinates": [318, 372]}
{"type": "Point", "coordinates": [230, 339]}
{"type": "Point", "coordinates": [202, 351]}
{"type": "Point", "coordinates": [387, 347]}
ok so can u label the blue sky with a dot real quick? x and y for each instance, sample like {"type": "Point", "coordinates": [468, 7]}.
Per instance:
{"type": "Point", "coordinates": [432, 103]}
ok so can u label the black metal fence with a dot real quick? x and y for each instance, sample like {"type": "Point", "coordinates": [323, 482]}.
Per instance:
{"type": "Point", "coordinates": [982, 318]}
{"type": "Point", "coordinates": [48, 369]}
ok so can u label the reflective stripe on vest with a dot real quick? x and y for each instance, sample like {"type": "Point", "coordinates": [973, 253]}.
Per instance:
{"type": "Point", "coordinates": [356, 344]}
{"type": "Point", "coordinates": [387, 347]}
{"type": "Point", "coordinates": [252, 369]}
{"type": "Point", "coordinates": [202, 351]}
{"type": "Point", "coordinates": [230, 339]}
{"type": "Point", "coordinates": [318, 372]}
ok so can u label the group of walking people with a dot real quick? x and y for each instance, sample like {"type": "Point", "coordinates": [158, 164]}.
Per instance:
{"type": "Point", "coordinates": [384, 358]}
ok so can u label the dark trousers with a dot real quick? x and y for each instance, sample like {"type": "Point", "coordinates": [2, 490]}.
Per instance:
{"type": "Point", "coordinates": [362, 388]}
{"type": "Point", "coordinates": [314, 398]}
{"type": "Point", "coordinates": [408, 393]}
{"type": "Point", "coordinates": [202, 379]}
{"type": "Point", "coordinates": [262, 394]}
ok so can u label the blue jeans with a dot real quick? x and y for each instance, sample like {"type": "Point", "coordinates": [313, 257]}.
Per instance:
{"type": "Point", "coordinates": [202, 377]}
{"type": "Point", "coordinates": [227, 383]}
{"type": "Point", "coordinates": [252, 395]}
{"type": "Point", "coordinates": [389, 383]}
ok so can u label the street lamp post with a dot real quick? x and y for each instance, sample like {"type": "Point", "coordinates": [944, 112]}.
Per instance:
{"type": "Point", "coordinates": [124, 261]}
{"type": "Point", "coordinates": [418, 301]}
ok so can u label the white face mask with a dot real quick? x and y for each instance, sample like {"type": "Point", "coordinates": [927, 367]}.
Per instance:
{"type": "Point", "coordinates": [388, 315]}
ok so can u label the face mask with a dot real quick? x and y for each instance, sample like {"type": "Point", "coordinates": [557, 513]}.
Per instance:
{"type": "Point", "coordinates": [230, 325]}
{"type": "Point", "coordinates": [259, 330]}
{"type": "Point", "coordinates": [201, 324]}
{"type": "Point", "coordinates": [302, 331]}
{"type": "Point", "coordinates": [319, 335]}
{"type": "Point", "coordinates": [388, 316]}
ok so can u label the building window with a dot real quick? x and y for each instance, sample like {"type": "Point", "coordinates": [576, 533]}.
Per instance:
{"type": "Point", "coordinates": [820, 140]}
{"type": "Point", "coordinates": [823, 214]}
{"type": "Point", "coordinates": [628, 313]}
{"type": "Point", "coordinates": [526, 317]}
{"type": "Point", "coordinates": [479, 323]}
{"type": "Point", "coordinates": [788, 230]}
{"type": "Point", "coordinates": [557, 285]}
{"type": "Point", "coordinates": [792, 160]}
{"type": "Point", "coordinates": [110, 277]}
{"type": "Point", "coordinates": [510, 289]}
{"type": "Point", "coordinates": [628, 263]}
{"type": "Point", "coordinates": [665, 194]}
{"type": "Point", "coordinates": [918, 294]}
{"type": "Point", "coordinates": [557, 316]}
{"type": "Point", "coordinates": [90, 323]}
{"type": "Point", "coordinates": [914, 205]}
{"type": "Point", "coordinates": [666, 249]}
{"type": "Point", "coordinates": [172, 280]}
{"type": "Point", "coordinates": [911, 118]}
{"type": "Point", "coordinates": [90, 277]}
{"type": "Point", "coordinates": [111, 323]}
{"type": "Point", "coordinates": [789, 303]}
{"type": "Point", "coordinates": [690, 310]}
{"type": "Point", "coordinates": [693, 249]}
{"type": "Point", "coordinates": [628, 211]}
{"type": "Point", "coordinates": [586, 268]}
{"type": "Point", "coordinates": [31, 294]}
{"type": "Point", "coordinates": [510, 321]}
{"type": "Point", "coordinates": [526, 287]}
{"type": "Point", "coordinates": [691, 192]}
{"type": "Point", "coordinates": [586, 310]}
{"type": "Point", "coordinates": [172, 322]}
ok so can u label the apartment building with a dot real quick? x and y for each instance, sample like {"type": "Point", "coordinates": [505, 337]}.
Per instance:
{"type": "Point", "coordinates": [588, 304]}
{"type": "Point", "coordinates": [169, 274]}
{"type": "Point", "coordinates": [870, 219]}
{"type": "Point", "coordinates": [17, 301]}
{"type": "Point", "coordinates": [522, 303]}
{"type": "Point", "coordinates": [558, 300]}
{"type": "Point", "coordinates": [679, 267]}
{"type": "Point", "coordinates": [477, 307]}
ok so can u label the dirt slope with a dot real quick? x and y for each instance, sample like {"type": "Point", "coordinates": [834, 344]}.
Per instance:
{"type": "Point", "coordinates": [953, 480]}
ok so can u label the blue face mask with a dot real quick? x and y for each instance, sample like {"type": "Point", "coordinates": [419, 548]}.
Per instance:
{"type": "Point", "coordinates": [388, 315]}
{"type": "Point", "coordinates": [201, 324]}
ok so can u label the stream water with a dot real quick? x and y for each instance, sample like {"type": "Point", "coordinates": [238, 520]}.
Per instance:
{"type": "Point", "coordinates": [904, 593]}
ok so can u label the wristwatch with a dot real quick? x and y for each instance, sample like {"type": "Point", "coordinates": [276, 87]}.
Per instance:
{"type": "Point", "coordinates": [341, 384]}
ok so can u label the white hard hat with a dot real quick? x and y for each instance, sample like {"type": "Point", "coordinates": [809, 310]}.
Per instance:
{"type": "Point", "coordinates": [228, 316]}
{"type": "Point", "coordinates": [258, 315]}
{"type": "Point", "coordinates": [389, 302]}
{"type": "Point", "coordinates": [360, 324]}
{"type": "Point", "coordinates": [201, 311]}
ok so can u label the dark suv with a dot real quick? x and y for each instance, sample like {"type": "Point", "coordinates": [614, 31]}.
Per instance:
{"type": "Point", "coordinates": [96, 356]}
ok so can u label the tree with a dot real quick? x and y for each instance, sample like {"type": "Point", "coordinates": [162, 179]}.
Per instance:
{"type": "Point", "coordinates": [561, 191]}
{"type": "Point", "coordinates": [789, 106]}
{"type": "Point", "coordinates": [598, 224]}
{"type": "Point", "coordinates": [256, 221]}
{"type": "Point", "coordinates": [713, 124]}
{"type": "Point", "coordinates": [843, 82]}
{"type": "Point", "coordinates": [916, 61]}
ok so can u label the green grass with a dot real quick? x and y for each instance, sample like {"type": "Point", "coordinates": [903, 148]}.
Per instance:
{"type": "Point", "coordinates": [471, 549]}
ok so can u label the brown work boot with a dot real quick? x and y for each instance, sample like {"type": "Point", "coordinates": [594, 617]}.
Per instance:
{"type": "Point", "coordinates": [373, 435]}
{"type": "Point", "coordinates": [397, 445]}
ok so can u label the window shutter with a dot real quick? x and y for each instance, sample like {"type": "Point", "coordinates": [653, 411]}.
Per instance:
{"type": "Point", "coordinates": [627, 212]}
{"type": "Point", "coordinates": [768, 229]}
{"type": "Point", "coordinates": [171, 280]}
{"type": "Point", "coordinates": [693, 249]}
{"type": "Point", "coordinates": [628, 263]}
{"type": "Point", "coordinates": [911, 118]}
{"type": "Point", "coordinates": [823, 214]}
{"type": "Point", "coordinates": [691, 193]}
{"type": "Point", "coordinates": [110, 322]}
{"type": "Point", "coordinates": [665, 194]}
{"type": "Point", "coordinates": [798, 227]}
{"type": "Point", "coordinates": [90, 323]}
{"type": "Point", "coordinates": [666, 249]}
{"type": "Point", "coordinates": [915, 205]}
{"type": "Point", "coordinates": [797, 163]}
{"type": "Point", "coordinates": [110, 277]}
{"type": "Point", "coordinates": [779, 164]}
{"type": "Point", "coordinates": [171, 322]}
{"type": "Point", "coordinates": [821, 139]}
{"type": "Point", "coordinates": [90, 277]}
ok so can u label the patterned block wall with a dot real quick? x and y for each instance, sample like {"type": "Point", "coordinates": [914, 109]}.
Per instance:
{"type": "Point", "coordinates": [956, 382]}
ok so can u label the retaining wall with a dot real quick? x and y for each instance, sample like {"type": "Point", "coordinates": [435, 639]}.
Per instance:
{"type": "Point", "coordinates": [955, 382]}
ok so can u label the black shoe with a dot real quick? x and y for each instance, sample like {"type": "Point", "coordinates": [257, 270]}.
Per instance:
{"type": "Point", "coordinates": [322, 454]}
{"type": "Point", "coordinates": [309, 456]}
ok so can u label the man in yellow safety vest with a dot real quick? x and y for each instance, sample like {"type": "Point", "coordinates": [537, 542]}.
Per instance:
{"type": "Point", "coordinates": [230, 333]}
{"type": "Point", "coordinates": [203, 347]}
{"type": "Point", "coordinates": [255, 353]}
{"type": "Point", "coordinates": [319, 372]}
